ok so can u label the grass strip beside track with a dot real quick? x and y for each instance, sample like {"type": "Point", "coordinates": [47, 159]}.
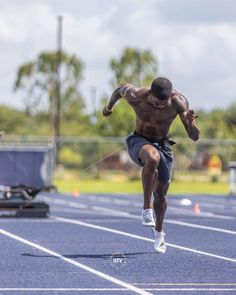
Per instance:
{"type": "Point", "coordinates": [108, 186]}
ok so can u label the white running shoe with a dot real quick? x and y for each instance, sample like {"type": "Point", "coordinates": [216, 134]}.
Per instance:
{"type": "Point", "coordinates": [147, 218]}
{"type": "Point", "coordinates": [159, 244]}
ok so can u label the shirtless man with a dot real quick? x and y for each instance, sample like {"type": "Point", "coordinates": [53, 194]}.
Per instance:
{"type": "Point", "coordinates": [150, 146]}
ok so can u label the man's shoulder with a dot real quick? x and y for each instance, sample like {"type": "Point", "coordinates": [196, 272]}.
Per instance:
{"type": "Point", "coordinates": [126, 89]}
{"type": "Point", "coordinates": [143, 92]}
{"type": "Point", "coordinates": [129, 91]}
{"type": "Point", "coordinates": [179, 101]}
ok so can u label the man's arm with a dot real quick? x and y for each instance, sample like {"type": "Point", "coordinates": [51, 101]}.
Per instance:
{"type": "Point", "coordinates": [187, 116]}
{"type": "Point", "coordinates": [125, 90]}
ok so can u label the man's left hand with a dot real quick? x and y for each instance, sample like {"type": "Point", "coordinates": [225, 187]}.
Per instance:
{"type": "Point", "coordinates": [191, 116]}
{"type": "Point", "coordinates": [106, 112]}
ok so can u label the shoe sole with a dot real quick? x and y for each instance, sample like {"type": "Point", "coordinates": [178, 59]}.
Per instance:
{"type": "Point", "coordinates": [148, 224]}
{"type": "Point", "coordinates": [160, 251]}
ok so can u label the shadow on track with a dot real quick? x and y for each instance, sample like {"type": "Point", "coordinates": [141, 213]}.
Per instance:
{"type": "Point", "coordinates": [106, 256]}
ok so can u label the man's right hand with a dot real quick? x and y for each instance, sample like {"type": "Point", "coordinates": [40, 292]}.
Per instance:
{"type": "Point", "coordinates": [106, 112]}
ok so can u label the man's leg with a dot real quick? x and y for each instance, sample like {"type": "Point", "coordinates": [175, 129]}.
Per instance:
{"type": "Point", "coordinates": [150, 159]}
{"type": "Point", "coordinates": [160, 203]}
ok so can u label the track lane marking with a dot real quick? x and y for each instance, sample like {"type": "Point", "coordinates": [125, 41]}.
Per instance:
{"type": "Point", "coordinates": [62, 289]}
{"type": "Point", "coordinates": [128, 203]}
{"type": "Point", "coordinates": [226, 231]}
{"type": "Point", "coordinates": [110, 289]}
{"type": "Point", "coordinates": [94, 226]}
{"type": "Point", "coordinates": [193, 289]}
{"type": "Point", "coordinates": [185, 284]}
{"type": "Point", "coordinates": [75, 263]}
{"type": "Point", "coordinates": [115, 212]}
{"type": "Point", "coordinates": [170, 208]}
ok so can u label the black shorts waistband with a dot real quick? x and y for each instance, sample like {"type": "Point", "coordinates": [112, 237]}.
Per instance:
{"type": "Point", "coordinates": [161, 141]}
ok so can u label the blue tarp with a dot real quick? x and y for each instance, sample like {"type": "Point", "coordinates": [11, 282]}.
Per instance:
{"type": "Point", "coordinates": [25, 166]}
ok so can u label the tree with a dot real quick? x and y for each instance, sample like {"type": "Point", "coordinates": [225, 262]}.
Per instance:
{"type": "Point", "coordinates": [230, 119]}
{"type": "Point", "coordinates": [12, 121]}
{"type": "Point", "coordinates": [135, 66]}
{"type": "Point", "coordinates": [120, 123]}
{"type": "Point", "coordinates": [37, 81]}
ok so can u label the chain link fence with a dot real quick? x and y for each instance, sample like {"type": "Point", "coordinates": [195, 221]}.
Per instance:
{"type": "Point", "coordinates": [93, 156]}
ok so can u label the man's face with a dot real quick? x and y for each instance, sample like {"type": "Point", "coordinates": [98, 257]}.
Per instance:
{"type": "Point", "coordinates": [159, 103]}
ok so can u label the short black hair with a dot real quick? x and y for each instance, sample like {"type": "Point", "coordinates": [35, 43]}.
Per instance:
{"type": "Point", "coordinates": [161, 88]}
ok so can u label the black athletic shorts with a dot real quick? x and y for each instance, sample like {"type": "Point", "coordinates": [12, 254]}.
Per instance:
{"type": "Point", "coordinates": [134, 143]}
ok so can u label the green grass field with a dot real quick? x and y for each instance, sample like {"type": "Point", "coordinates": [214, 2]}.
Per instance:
{"type": "Point", "coordinates": [135, 186]}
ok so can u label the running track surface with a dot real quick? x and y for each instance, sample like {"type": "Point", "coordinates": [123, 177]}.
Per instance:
{"type": "Point", "coordinates": [95, 244]}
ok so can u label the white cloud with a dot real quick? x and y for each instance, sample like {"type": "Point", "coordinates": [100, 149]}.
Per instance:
{"type": "Point", "coordinates": [197, 11]}
{"type": "Point", "coordinates": [196, 51]}
{"type": "Point", "coordinates": [226, 33]}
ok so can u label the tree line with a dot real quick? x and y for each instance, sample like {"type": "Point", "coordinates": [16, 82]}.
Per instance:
{"type": "Point", "coordinates": [36, 80]}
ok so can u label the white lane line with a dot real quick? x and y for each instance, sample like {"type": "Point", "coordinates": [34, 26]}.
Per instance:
{"type": "Point", "coordinates": [98, 208]}
{"type": "Point", "coordinates": [137, 203]}
{"type": "Point", "coordinates": [115, 212]}
{"type": "Point", "coordinates": [201, 214]}
{"type": "Point", "coordinates": [193, 289]}
{"type": "Point", "coordinates": [185, 284]}
{"type": "Point", "coordinates": [226, 231]}
{"type": "Point", "coordinates": [109, 289]}
{"type": "Point", "coordinates": [90, 212]}
{"type": "Point", "coordinates": [61, 289]}
{"type": "Point", "coordinates": [76, 263]}
{"type": "Point", "coordinates": [27, 220]}
{"type": "Point", "coordinates": [107, 200]}
{"type": "Point", "coordinates": [73, 221]}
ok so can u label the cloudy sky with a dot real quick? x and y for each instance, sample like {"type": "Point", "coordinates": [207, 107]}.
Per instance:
{"type": "Point", "coordinates": [193, 40]}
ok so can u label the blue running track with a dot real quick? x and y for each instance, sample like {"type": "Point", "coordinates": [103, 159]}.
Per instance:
{"type": "Point", "coordinates": [95, 244]}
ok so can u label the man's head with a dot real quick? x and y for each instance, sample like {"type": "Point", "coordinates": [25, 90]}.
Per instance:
{"type": "Point", "coordinates": [161, 88]}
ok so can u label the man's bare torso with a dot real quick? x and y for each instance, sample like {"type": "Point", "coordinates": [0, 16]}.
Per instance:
{"type": "Point", "coordinates": [154, 121]}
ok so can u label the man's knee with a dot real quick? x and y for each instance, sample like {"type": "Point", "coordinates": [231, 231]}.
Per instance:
{"type": "Point", "coordinates": [160, 191]}
{"type": "Point", "coordinates": [152, 162]}
{"type": "Point", "coordinates": [149, 157]}
{"type": "Point", "coordinates": [159, 197]}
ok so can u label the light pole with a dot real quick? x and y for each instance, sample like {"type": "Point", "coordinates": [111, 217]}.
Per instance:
{"type": "Point", "coordinates": [57, 115]}
{"type": "Point", "coordinates": [139, 68]}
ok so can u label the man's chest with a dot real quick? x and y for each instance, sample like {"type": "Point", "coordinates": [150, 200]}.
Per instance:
{"type": "Point", "coordinates": [153, 115]}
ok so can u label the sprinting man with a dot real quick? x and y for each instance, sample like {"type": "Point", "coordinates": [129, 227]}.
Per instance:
{"type": "Point", "coordinates": [150, 145]}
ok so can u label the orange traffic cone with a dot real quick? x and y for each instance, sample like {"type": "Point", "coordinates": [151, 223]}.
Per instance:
{"type": "Point", "coordinates": [196, 208]}
{"type": "Point", "coordinates": [75, 193]}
